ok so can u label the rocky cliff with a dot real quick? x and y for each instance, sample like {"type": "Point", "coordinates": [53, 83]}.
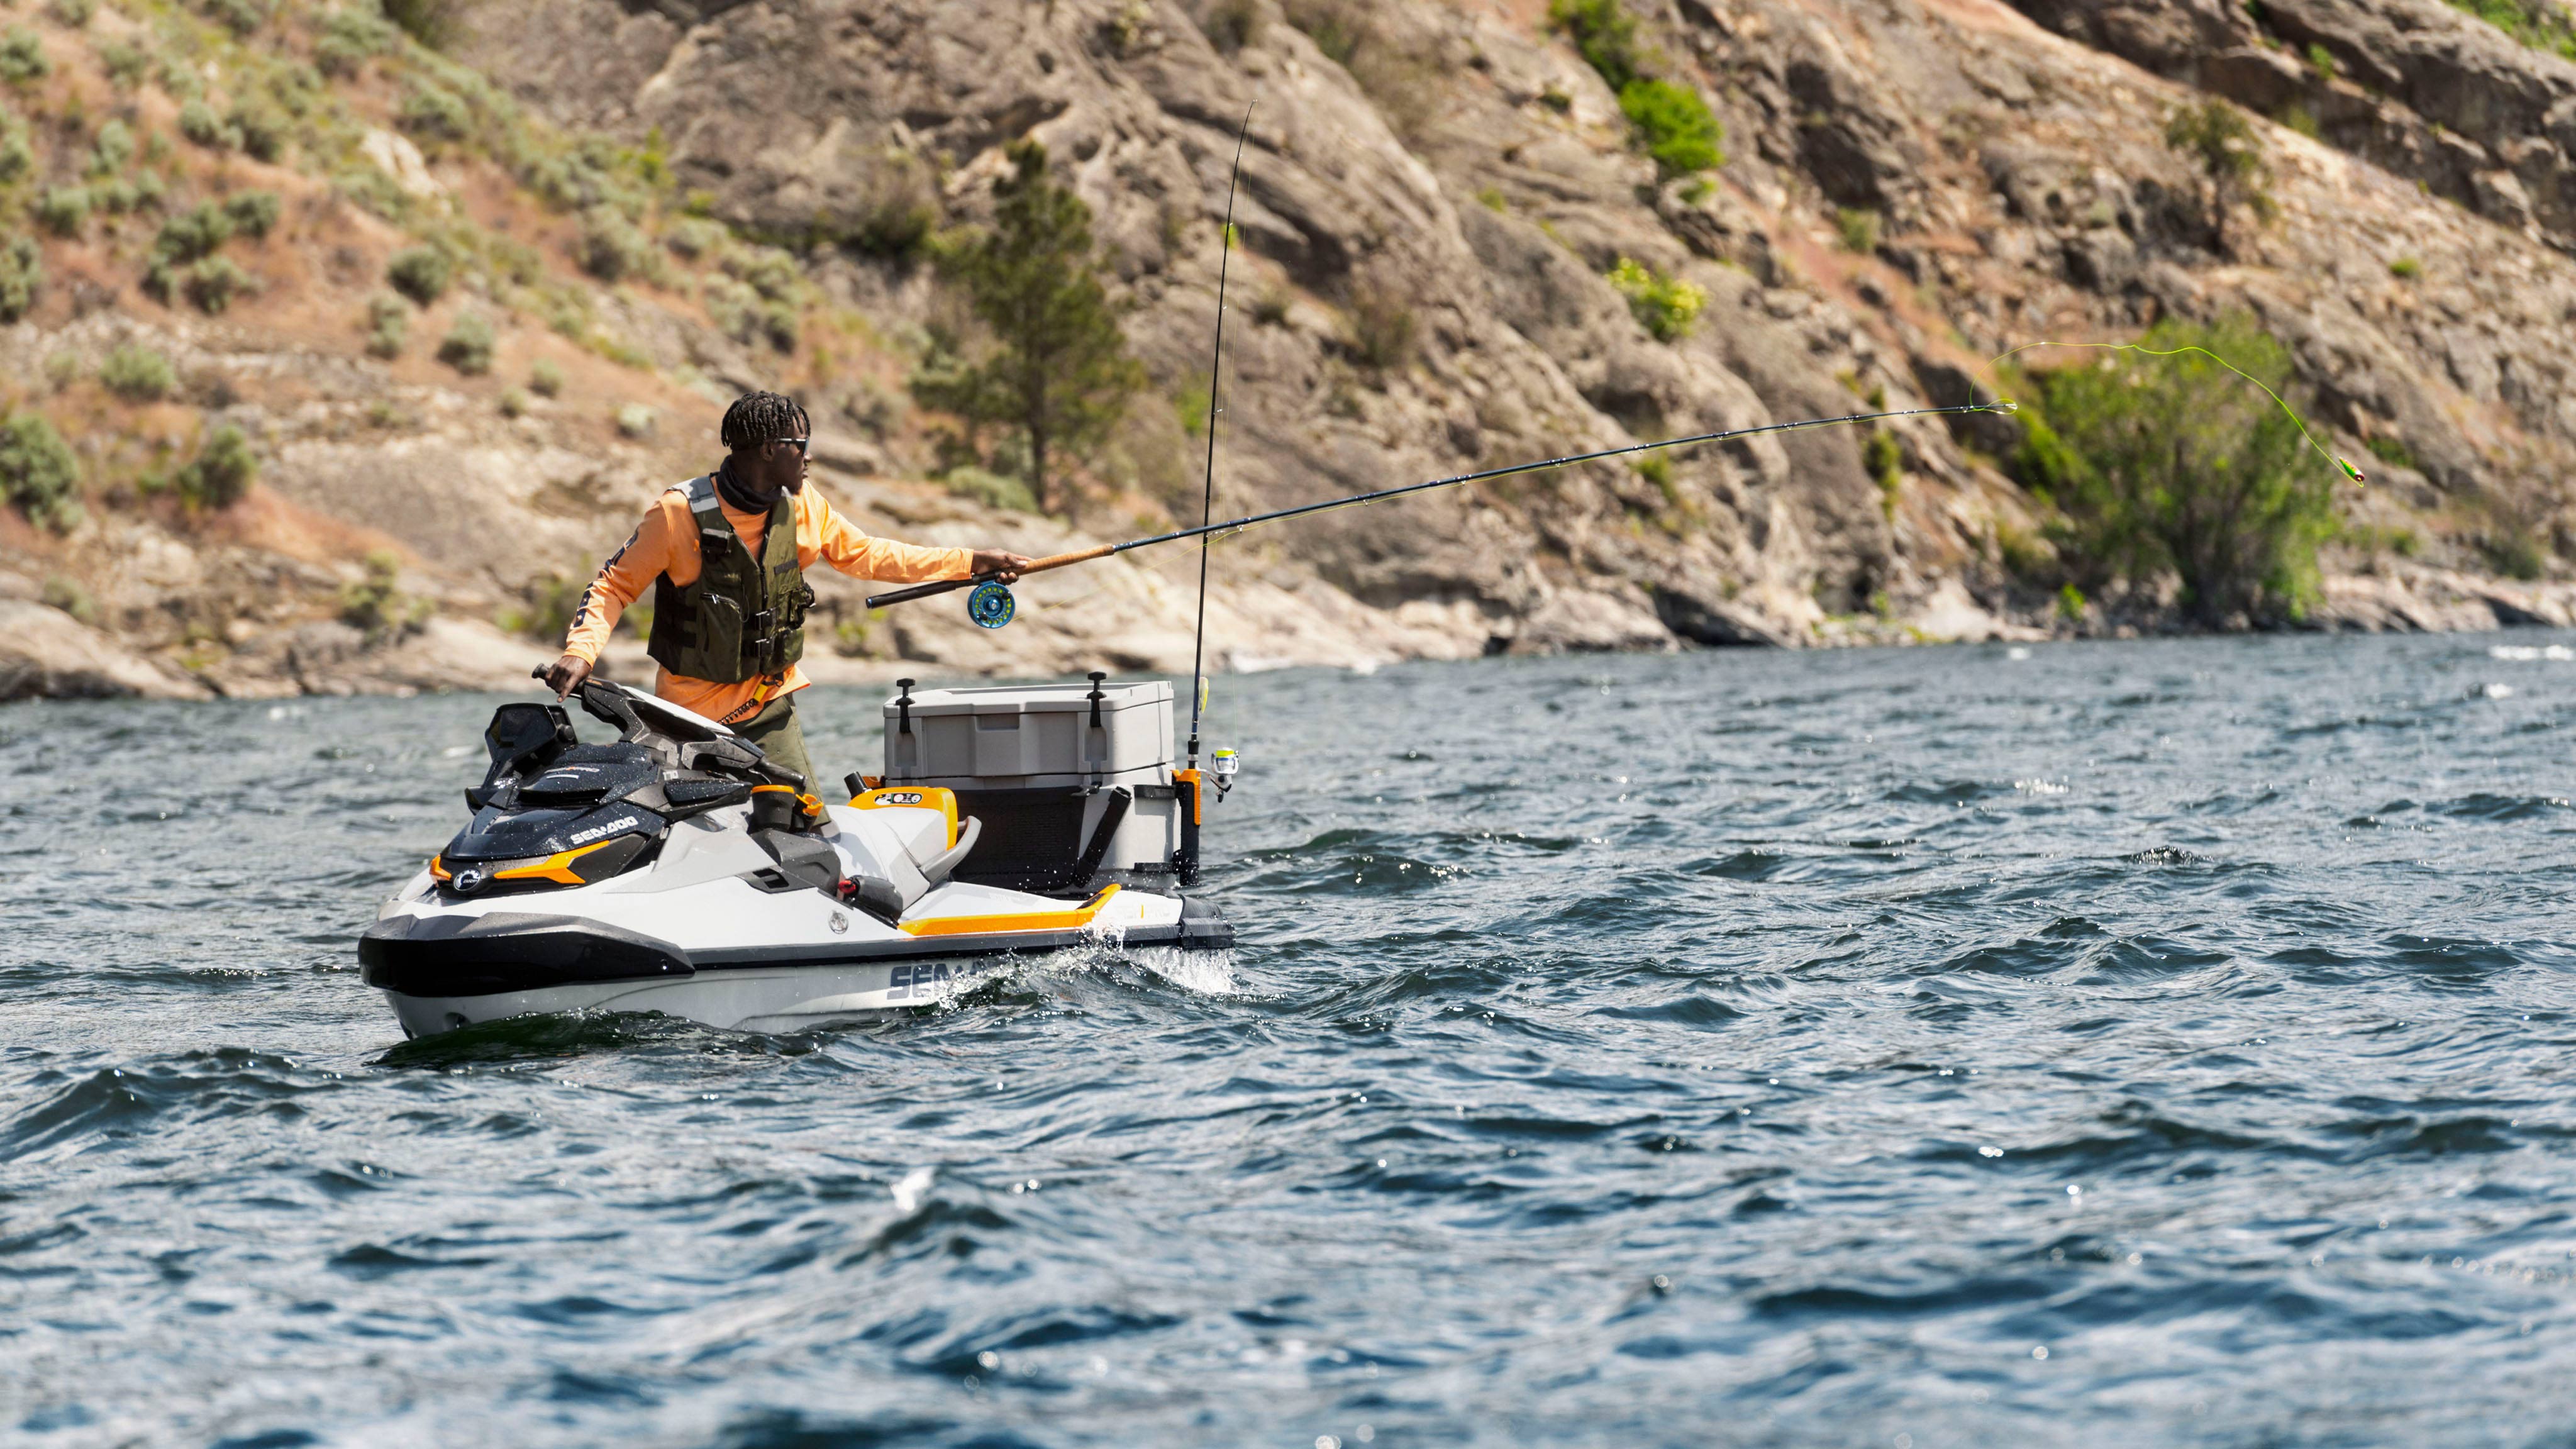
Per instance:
{"type": "Point", "coordinates": [647, 206]}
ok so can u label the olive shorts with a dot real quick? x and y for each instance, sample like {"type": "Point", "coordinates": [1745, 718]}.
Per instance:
{"type": "Point", "coordinates": [780, 737]}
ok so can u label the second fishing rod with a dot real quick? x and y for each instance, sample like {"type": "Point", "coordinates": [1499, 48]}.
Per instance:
{"type": "Point", "coordinates": [982, 583]}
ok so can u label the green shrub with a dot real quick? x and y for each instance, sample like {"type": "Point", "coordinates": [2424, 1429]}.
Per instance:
{"type": "Point", "coordinates": [1603, 32]}
{"type": "Point", "coordinates": [552, 602]}
{"type": "Point", "coordinates": [74, 13]}
{"type": "Point", "coordinates": [63, 209]}
{"type": "Point", "coordinates": [993, 490]}
{"type": "Point", "coordinates": [137, 374]}
{"type": "Point", "coordinates": [350, 36]}
{"type": "Point", "coordinates": [1675, 125]}
{"type": "Point", "coordinates": [436, 113]}
{"type": "Point", "coordinates": [192, 234]}
{"type": "Point", "coordinates": [178, 77]}
{"type": "Point", "coordinates": [123, 63]}
{"type": "Point", "coordinates": [769, 271]}
{"type": "Point", "coordinates": [467, 347]}
{"type": "Point", "coordinates": [262, 130]}
{"type": "Point", "coordinates": [2406, 269]}
{"type": "Point", "coordinates": [199, 123]}
{"type": "Point", "coordinates": [1381, 327]}
{"type": "Point", "coordinates": [2535, 23]}
{"type": "Point", "coordinates": [376, 608]}
{"type": "Point", "coordinates": [545, 379]}
{"type": "Point", "coordinates": [1884, 458]}
{"type": "Point", "coordinates": [609, 247]}
{"type": "Point", "coordinates": [2176, 467]}
{"type": "Point", "coordinates": [420, 273]}
{"type": "Point", "coordinates": [1667, 307]}
{"type": "Point", "coordinates": [22, 276]}
{"type": "Point", "coordinates": [62, 369]}
{"type": "Point", "coordinates": [514, 403]}
{"type": "Point", "coordinates": [221, 473]}
{"type": "Point", "coordinates": [17, 156]}
{"type": "Point", "coordinates": [241, 17]}
{"type": "Point", "coordinates": [22, 57]}
{"type": "Point", "coordinates": [635, 420]}
{"type": "Point", "coordinates": [1656, 468]}
{"type": "Point", "coordinates": [1857, 229]}
{"type": "Point", "coordinates": [2392, 451]}
{"type": "Point", "coordinates": [213, 283]}
{"type": "Point", "coordinates": [693, 237]}
{"type": "Point", "coordinates": [113, 149]}
{"type": "Point", "coordinates": [126, 193]}
{"type": "Point", "coordinates": [388, 322]}
{"type": "Point", "coordinates": [251, 213]}
{"type": "Point", "coordinates": [38, 474]}
{"type": "Point", "coordinates": [68, 596]}
{"type": "Point", "coordinates": [1230, 25]}
{"type": "Point", "coordinates": [1671, 119]}
{"type": "Point", "coordinates": [431, 22]}
{"type": "Point", "coordinates": [2218, 138]}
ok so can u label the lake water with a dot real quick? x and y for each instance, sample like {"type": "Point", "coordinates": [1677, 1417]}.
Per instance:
{"type": "Point", "coordinates": [2109, 1044]}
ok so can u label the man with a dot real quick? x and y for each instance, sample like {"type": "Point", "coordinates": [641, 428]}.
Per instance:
{"type": "Point", "coordinates": [726, 555]}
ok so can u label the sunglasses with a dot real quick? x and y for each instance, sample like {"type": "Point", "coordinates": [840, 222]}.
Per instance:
{"type": "Point", "coordinates": [801, 445]}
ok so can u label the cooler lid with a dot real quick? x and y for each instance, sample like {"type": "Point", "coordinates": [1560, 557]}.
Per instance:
{"type": "Point", "coordinates": [1035, 698]}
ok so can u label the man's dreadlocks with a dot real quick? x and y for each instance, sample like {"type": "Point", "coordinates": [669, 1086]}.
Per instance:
{"type": "Point", "coordinates": [761, 417]}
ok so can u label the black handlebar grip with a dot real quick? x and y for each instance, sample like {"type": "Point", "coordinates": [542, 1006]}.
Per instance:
{"type": "Point", "coordinates": [920, 591]}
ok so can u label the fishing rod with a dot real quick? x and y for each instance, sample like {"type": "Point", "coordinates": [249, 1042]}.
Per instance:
{"type": "Point", "coordinates": [1207, 499]}
{"type": "Point", "coordinates": [1204, 530]}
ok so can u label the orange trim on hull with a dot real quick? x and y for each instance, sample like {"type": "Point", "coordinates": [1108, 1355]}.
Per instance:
{"type": "Point", "coordinates": [1073, 920]}
{"type": "Point", "coordinates": [557, 867]}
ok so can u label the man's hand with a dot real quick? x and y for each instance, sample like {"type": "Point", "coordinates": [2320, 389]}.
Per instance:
{"type": "Point", "coordinates": [1000, 564]}
{"type": "Point", "coordinates": [566, 674]}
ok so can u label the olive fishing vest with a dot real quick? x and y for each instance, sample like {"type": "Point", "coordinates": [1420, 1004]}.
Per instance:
{"type": "Point", "coordinates": [745, 616]}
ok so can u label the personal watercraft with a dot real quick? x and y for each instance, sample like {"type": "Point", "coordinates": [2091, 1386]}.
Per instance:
{"type": "Point", "coordinates": [677, 870]}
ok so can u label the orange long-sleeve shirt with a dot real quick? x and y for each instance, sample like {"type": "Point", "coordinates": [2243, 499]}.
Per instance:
{"type": "Point", "coordinates": [666, 542]}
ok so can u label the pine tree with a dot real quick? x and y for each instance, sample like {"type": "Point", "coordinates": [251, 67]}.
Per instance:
{"type": "Point", "coordinates": [1059, 370]}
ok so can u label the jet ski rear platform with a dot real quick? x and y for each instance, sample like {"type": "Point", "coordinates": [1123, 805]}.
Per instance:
{"type": "Point", "coordinates": [677, 870]}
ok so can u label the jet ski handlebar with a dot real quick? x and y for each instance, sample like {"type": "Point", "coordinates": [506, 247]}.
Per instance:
{"type": "Point", "coordinates": [693, 743]}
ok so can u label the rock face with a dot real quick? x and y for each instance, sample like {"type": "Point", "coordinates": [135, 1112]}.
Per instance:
{"type": "Point", "coordinates": [2413, 86]}
{"type": "Point", "coordinates": [46, 653]}
{"type": "Point", "coordinates": [1433, 199]}
{"type": "Point", "coordinates": [2020, 188]}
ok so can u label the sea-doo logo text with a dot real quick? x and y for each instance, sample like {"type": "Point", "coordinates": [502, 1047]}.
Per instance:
{"type": "Point", "coordinates": [468, 881]}
{"type": "Point", "coordinates": [919, 982]}
{"type": "Point", "coordinates": [584, 837]}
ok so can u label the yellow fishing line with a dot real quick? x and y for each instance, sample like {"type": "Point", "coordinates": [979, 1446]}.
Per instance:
{"type": "Point", "coordinates": [2342, 464]}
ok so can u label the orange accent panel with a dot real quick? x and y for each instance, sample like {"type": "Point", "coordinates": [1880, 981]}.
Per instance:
{"type": "Point", "coordinates": [556, 867]}
{"type": "Point", "coordinates": [1072, 920]}
{"type": "Point", "coordinates": [1197, 796]}
{"type": "Point", "coordinates": [438, 867]}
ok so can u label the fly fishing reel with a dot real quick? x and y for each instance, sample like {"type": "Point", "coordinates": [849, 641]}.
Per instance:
{"type": "Point", "coordinates": [991, 605]}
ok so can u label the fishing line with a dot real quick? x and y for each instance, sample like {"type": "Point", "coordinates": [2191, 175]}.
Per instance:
{"type": "Point", "coordinates": [1357, 500]}
{"type": "Point", "coordinates": [2343, 465]}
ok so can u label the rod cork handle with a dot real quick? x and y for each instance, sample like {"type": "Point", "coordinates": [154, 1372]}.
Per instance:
{"type": "Point", "coordinates": [945, 586]}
